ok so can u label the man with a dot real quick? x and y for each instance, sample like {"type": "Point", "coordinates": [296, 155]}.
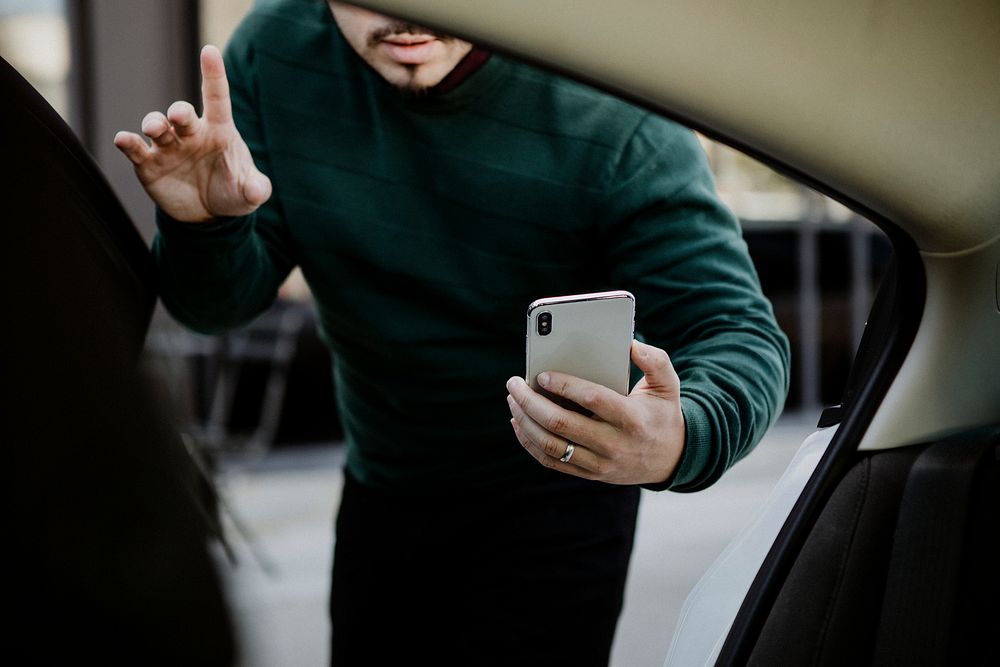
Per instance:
{"type": "Point", "coordinates": [430, 191]}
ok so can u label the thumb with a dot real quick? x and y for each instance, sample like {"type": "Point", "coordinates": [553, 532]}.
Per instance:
{"type": "Point", "coordinates": [659, 374]}
{"type": "Point", "coordinates": [257, 189]}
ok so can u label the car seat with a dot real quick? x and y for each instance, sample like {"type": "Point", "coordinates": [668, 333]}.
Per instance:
{"type": "Point", "coordinates": [898, 565]}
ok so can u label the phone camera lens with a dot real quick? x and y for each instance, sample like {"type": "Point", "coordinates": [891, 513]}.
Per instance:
{"type": "Point", "coordinates": [544, 323]}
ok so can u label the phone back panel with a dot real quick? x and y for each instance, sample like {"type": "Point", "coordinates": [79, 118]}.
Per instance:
{"type": "Point", "coordinates": [590, 337]}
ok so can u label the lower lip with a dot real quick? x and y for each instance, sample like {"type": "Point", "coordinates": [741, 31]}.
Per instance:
{"type": "Point", "coordinates": [410, 54]}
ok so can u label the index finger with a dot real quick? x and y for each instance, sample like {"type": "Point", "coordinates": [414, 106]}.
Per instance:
{"type": "Point", "coordinates": [215, 86]}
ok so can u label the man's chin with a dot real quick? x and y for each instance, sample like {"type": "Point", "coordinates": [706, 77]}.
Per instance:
{"type": "Point", "coordinates": [410, 81]}
{"type": "Point", "coordinates": [413, 91]}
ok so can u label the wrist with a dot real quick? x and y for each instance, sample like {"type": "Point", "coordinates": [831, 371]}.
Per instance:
{"type": "Point", "coordinates": [225, 229]}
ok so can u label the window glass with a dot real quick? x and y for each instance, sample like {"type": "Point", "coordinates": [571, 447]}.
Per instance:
{"type": "Point", "coordinates": [818, 261]}
{"type": "Point", "coordinates": [761, 196]}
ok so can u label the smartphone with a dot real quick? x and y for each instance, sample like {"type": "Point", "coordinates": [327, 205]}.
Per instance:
{"type": "Point", "coordinates": [586, 335]}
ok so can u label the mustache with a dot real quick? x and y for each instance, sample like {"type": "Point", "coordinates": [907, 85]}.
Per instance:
{"type": "Point", "coordinates": [401, 27]}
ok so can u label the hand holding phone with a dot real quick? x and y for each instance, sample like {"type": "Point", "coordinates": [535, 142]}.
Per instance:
{"type": "Point", "coordinates": [620, 437]}
{"type": "Point", "coordinates": [634, 439]}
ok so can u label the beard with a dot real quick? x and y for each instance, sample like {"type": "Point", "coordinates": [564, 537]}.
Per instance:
{"type": "Point", "coordinates": [410, 89]}
{"type": "Point", "coordinates": [410, 80]}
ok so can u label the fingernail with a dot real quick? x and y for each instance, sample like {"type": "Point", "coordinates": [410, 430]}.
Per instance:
{"type": "Point", "coordinates": [510, 384]}
{"type": "Point", "coordinates": [543, 379]}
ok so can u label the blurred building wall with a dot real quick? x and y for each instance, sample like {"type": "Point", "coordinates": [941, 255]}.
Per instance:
{"type": "Point", "coordinates": [130, 57]}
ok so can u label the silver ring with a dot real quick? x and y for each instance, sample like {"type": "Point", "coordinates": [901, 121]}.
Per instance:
{"type": "Point", "coordinates": [568, 454]}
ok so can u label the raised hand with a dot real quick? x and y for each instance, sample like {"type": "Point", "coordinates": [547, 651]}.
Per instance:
{"type": "Point", "coordinates": [197, 169]}
{"type": "Point", "coordinates": [634, 439]}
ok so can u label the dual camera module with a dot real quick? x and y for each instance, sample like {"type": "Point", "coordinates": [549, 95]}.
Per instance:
{"type": "Point", "coordinates": [543, 323]}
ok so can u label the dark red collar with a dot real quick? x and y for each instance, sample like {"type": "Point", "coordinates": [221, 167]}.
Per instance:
{"type": "Point", "coordinates": [472, 61]}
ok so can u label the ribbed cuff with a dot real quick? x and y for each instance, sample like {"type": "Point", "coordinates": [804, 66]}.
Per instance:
{"type": "Point", "coordinates": [222, 231]}
{"type": "Point", "coordinates": [697, 444]}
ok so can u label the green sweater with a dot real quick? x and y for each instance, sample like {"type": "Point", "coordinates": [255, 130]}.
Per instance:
{"type": "Point", "coordinates": [425, 227]}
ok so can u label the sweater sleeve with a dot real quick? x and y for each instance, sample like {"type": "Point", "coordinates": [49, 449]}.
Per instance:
{"type": "Point", "coordinates": [680, 251]}
{"type": "Point", "coordinates": [222, 274]}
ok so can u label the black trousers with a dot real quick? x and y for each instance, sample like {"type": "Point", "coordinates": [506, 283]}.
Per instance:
{"type": "Point", "coordinates": [530, 576]}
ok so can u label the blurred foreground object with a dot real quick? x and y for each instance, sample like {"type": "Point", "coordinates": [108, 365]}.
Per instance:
{"type": "Point", "coordinates": [109, 548]}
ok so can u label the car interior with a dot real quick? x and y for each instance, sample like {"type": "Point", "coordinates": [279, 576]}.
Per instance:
{"type": "Point", "coordinates": [880, 543]}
